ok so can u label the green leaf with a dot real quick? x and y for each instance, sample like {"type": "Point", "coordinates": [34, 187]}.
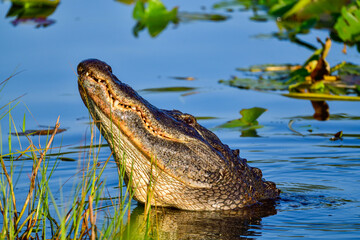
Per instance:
{"type": "Point", "coordinates": [317, 87]}
{"type": "Point", "coordinates": [139, 10]}
{"type": "Point", "coordinates": [300, 5]}
{"type": "Point", "coordinates": [348, 24]}
{"type": "Point", "coordinates": [250, 115]}
{"type": "Point", "coordinates": [234, 123]}
{"type": "Point", "coordinates": [156, 7]}
{"type": "Point", "coordinates": [248, 120]}
{"type": "Point", "coordinates": [155, 17]}
{"type": "Point", "coordinates": [321, 97]}
{"type": "Point", "coordinates": [23, 125]}
{"type": "Point", "coordinates": [357, 89]}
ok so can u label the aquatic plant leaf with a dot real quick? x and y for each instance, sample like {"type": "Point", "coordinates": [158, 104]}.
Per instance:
{"type": "Point", "coordinates": [245, 4]}
{"type": "Point", "coordinates": [205, 117]}
{"type": "Point", "coordinates": [39, 132]}
{"type": "Point", "coordinates": [255, 84]}
{"type": "Point", "coordinates": [348, 24]}
{"type": "Point", "coordinates": [187, 17]}
{"type": "Point", "coordinates": [127, 2]}
{"type": "Point", "coordinates": [250, 115]}
{"type": "Point", "coordinates": [339, 116]}
{"type": "Point", "coordinates": [139, 10]}
{"type": "Point", "coordinates": [183, 78]}
{"type": "Point", "coordinates": [24, 121]}
{"type": "Point", "coordinates": [32, 11]}
{"type": "Point", "coordinates": [299, 6]}
{"type": "Point", "coordinates": [320, 97]}
{"type": "Point", "coordinates": [279, 8]}
{"type": "Point", "coordinates": [248, 119]}
{"type": "Point", "coordinates": [169, 89]}
{"type": "Point", "coordinates": [155, 17]}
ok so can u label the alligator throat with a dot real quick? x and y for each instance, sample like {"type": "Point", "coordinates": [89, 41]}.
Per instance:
{"type": "Point", "coordinates": [188, 166]}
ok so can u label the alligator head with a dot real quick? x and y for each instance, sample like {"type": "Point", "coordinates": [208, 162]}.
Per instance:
{"type": "Point", "coordinates": [186, 165]}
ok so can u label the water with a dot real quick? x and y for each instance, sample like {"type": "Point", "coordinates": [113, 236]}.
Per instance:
{"type": "Point", "coordinates": [319, 178]}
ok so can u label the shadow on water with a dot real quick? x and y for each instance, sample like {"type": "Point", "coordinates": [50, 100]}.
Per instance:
{"type": "Point", "coordinates": [177, 224]}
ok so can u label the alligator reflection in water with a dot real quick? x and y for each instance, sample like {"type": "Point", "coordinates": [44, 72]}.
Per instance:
{"type": "Point", "coordinates": [176, 224]}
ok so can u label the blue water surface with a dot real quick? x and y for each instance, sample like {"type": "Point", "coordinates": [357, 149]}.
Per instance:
{"type": "Point", "coordinates": [319, 178]}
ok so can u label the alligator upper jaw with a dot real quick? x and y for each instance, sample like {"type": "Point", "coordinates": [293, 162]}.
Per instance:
{"type": "Point", "coordinates": [118, 101]}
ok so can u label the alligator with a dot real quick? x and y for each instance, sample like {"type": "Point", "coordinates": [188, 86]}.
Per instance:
{"type": "Point", "coordinates": [183, 164]}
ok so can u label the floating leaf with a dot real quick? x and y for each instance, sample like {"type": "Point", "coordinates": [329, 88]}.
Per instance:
{"type": "Point", "coordinates": [169, 89]}
{"type": "Point", "coordinates": [248, 120]}
{"type": "Point", "coordinates": [256, 84]}
{"type": "Point", "coordinates": [39, 132]}
{"type": "Point", "coordinates": [183, 78]}
{"type": "Point", "coordinates": [321, 97]}
{"type": "Point", "coordinates": [33, 11]}
{"type": "Point", "coordinates": [250, 115]}
{"type": "Point", "coordinates": [187, 17]}
{"type": "Point", "coordinates": [155, 17]}
{"type": "Point", "coordinates": [205, 118]}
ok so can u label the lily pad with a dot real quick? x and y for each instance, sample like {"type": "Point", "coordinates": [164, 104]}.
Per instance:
{"type": "Point", "coordinates": [248, 119]}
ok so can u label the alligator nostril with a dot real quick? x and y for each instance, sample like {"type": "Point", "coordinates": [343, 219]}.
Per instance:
{"type": "Point", "coordinates": [80, 69]}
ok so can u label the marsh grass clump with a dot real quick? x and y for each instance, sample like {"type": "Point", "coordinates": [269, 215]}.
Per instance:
{"type": "Point", "coordinates": [91, 212]}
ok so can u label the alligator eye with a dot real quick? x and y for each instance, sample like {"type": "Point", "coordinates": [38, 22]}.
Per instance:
{"type": "Point", "coordinates": [108, 68]}
{"type": "Point", "coordinates": [189, 119]}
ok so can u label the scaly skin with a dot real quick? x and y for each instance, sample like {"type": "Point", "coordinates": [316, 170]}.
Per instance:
{"type": "Point", "coordinates": [185, 165]}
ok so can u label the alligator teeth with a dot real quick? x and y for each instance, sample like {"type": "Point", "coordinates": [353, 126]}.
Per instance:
{"type": "Point", "coordinates": [111, 95]}
{"type": "Point", "coordinates": [87, 74]}
{"type": "Point", "coordinates": [133, 108]}
{"type": "Point", "coordinates": [116, 102]}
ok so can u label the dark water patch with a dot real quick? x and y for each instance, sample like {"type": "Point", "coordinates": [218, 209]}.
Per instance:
{"type": "Point", "coordinates": [41, 132]}
{"type": "Point", "coordinates": [91, 146]}
{"type": "Point", "coordinates": [293, 199]}
{"type": "Point", "coordinates": [339, 146]}
{"type": "Point", "coordinates": [168, 89]}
